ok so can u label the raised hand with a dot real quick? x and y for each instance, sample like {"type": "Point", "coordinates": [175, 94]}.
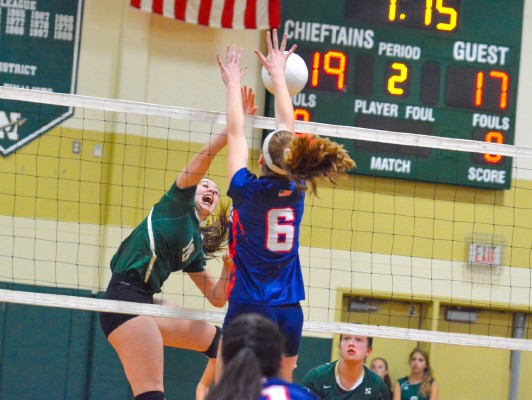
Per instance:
{"type": "Point", "coordinates": [277, 55]}
{"type": "Point", "coordinates": [231, 70]}
{"type": "Point", "coordinates": [275, 63]}
{"type": "Point", "coordinates": [248, 101]}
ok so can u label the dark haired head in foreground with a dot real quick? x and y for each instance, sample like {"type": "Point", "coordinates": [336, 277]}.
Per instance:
{"type": "Point", "coordinates": [252, 347]}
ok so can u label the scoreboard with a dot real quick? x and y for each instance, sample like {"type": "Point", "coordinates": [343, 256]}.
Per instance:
{"type": "Point", "coordinates": [445, 68]}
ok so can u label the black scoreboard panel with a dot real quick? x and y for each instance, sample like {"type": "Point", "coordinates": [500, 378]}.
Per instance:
{"type": "Point", "coordinates": [446, 68]}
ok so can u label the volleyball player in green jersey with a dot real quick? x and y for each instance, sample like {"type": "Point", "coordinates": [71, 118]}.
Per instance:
{"type": "Point", "coordinates": [172, 238]}
{"type": "Point", "coordinates": [348, 378]}
{"type": "Point", "coordinates": [380, 366]}
{"type": "Point", "coordinates": [419, 384]}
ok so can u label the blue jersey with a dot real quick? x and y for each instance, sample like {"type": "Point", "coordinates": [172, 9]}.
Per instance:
{"type": "Point", "coordinates": [264, 240]}
{"type": "Point", "coordinates": [276, 389]}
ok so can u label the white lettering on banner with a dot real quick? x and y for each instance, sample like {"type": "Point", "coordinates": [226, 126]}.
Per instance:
{"type": "Point", "coordinates": [390, 164]}
{"type": "Point", "coordinates": [16, 85]}
{"type": "Point", "coordinates": [480, 53]}
{"type": "Point", "coordinates": [9, 125]}
{"type": "Point", "coordinates": [17, 69]}
{"type": "Point", "coordinates": [486, 175]}
{"type": "Point", "coordinates": [377, 108]}
{"type": "Point", "coordinates": [25, 4]}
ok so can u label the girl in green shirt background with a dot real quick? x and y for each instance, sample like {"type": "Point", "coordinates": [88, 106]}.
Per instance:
{"type": "Point", "coordinates": [419, 384]}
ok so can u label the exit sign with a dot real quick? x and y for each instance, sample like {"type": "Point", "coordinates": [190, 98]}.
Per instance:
{"type": "Point", "coordinates": [485, 254]}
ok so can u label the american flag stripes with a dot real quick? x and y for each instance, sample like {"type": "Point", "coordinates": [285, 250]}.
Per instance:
{"type": "Point", "coordinates": [231, 14]}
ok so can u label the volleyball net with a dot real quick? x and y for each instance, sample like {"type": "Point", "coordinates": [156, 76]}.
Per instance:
{"type": "Point", "coordinates": [383, 257]}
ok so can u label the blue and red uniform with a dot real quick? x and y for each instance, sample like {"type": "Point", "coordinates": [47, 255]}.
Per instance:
{"type": "Point", "coordinates": [264, 240]}
{"type": "Point", "coordinates": [276, 389]}
{"type": "Point", "coordinates": [264, 244]}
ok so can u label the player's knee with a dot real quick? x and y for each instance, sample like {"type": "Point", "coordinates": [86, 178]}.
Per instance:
{"type": "Point", "coordinates": [212, 351]}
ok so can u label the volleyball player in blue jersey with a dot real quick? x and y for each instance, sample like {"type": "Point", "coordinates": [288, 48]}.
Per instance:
{"type": "Point", "coordinates": [267, 210]}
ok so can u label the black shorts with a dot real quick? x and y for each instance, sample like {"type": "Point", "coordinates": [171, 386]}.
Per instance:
{"type": "Point", "coordinates": [126, 286]}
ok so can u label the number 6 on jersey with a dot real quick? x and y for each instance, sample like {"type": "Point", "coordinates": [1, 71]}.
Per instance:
{"type": "Point", "coordinates": [280, 230]}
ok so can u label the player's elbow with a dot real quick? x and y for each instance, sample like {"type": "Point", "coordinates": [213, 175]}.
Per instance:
{"type": "Point", "coordinates": [217, 301]}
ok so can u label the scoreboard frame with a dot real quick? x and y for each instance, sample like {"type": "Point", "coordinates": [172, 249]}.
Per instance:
{"type": "Point", "coordinates": [444, 68]}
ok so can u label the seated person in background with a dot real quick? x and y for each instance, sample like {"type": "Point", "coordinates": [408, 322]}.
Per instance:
{"type": "Point", "coordinates": [348, 378]}
{"type": "Point", "coordinates": [419, 384]}
{"type": "Point", "coordinates": [252, 347]}
{"type": "Point", "coordinates": [380, 367]}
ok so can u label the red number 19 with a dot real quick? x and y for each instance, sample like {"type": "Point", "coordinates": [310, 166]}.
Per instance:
{"type": "Point", "coordinates": [338, 69]}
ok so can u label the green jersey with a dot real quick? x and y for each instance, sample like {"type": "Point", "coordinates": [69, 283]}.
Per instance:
{"type": "Point", "coordinates": [168, 240]}
{"type": "Point", "coordinates": [411, 392]}
{"type": "Point", "coordinates": [322, 381]}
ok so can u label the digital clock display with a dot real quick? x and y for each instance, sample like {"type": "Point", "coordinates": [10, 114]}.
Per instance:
{"type": "Point", "coordinates": [434, 67]}
{"type": "Point", "coordinates": [439, 15]}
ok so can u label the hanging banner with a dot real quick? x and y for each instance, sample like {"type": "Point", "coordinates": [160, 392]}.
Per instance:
{"type": "Point", "coordinates": [39, 48]}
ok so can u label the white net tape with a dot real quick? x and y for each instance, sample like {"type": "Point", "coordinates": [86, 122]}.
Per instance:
{"type": "Point", "coordinates": [345, 132]}
{"type": "Point", "coordinates": [123, 307]}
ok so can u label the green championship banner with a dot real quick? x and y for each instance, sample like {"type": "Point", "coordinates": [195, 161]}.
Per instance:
{"type": "Point", "coordinates": [39, 47]}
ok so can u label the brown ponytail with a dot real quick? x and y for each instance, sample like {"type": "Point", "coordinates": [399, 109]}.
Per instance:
{"type": "Point", "coordinates": [308, 158]}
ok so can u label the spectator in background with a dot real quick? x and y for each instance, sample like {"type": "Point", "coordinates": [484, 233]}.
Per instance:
{"type": "Point", "coordinates": [420, 383]}
{"type": "Point", "coordinates": [380, 367]}
{"type": "Point", "coordinates": [348, 378]}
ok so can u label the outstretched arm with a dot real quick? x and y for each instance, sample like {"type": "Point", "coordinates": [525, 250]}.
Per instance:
{"type": "Point", "coordinates": [214, 290]}
{"type": "Point", "coordinates": [196, 169]}
{"type": "Point", "coordinates": [237, 147]}
{"type": "Point", "coordinates": [199, 165]}
{"type": "Point", "coordinates": [275, 63]}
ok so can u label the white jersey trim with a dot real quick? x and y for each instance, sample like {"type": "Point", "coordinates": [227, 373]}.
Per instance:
{"type": "Point", "coordinates": [152, 248]}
